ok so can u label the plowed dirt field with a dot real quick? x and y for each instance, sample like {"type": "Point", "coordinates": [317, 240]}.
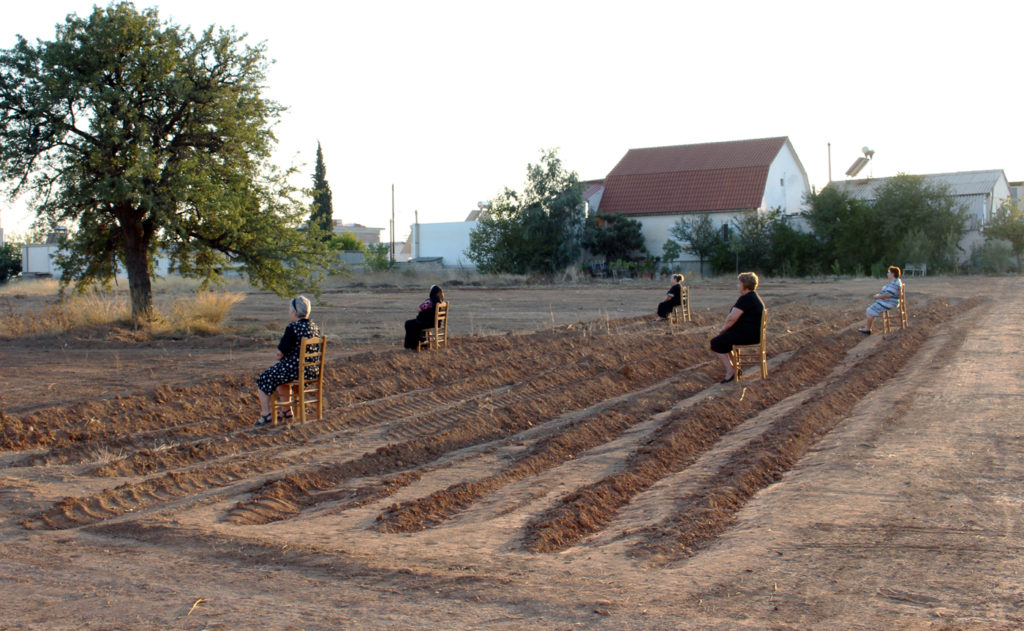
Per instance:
{"type": "Point", "coordinates": [566, 463]}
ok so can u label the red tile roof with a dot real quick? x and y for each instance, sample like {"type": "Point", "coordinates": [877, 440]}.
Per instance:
{"type": "Point", "coordinates": [591, 187]}
{"type": "Point", "coordinates": [690, 178]}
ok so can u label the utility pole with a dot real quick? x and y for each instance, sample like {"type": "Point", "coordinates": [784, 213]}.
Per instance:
{"type": "Point", "coordinates": [392, 223]}
{"type": "Point", "coordinates": [830, 163]}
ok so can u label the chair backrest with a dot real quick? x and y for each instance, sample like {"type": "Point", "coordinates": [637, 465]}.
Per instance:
{"type": "Point", "coordinates": [764, 327]}
{"type": "Point", "coordinates": [311, 357]}
{"type": "Point", "coordinates": [441, 322]}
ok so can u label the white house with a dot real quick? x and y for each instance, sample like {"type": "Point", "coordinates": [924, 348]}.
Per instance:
{"type": "Point", "coordinates": [659, 185]}
{"type": "Point", "coordinates": [979, 192]}
{"type": "Point", "coordinates": [448, 240]}
{"type": "Point", "coordinates": [368, 236]}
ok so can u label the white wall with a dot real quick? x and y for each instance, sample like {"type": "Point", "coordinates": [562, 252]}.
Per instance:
{"type": "Point", "coordinates": [595, 200]}
{"type": "Point", "coordinates": [787, 185]}
{"type": "Point", "coordinates": [979, 213]}
{"type": "Point", "coordinates": [656, 229]}
{"type": "Point", "coordinates": [449, 240]}
{"type": "Point", "coordinates": [38, 259]}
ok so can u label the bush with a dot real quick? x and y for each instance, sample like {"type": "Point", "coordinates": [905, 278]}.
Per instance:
{"type": "Point", "coordinates": [995, 256]}
{"type": "Point", "coordinates": [10, 261]}
{"type": "Point", "coordinates": [378, 257]}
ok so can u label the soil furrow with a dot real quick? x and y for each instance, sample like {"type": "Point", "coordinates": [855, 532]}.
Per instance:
{"type": "Point", "coordinates": [301, 489]}
{"type": "Point", "coordinates": [708, 511]}
{"type": "Point", "coordinates": [676, 444]}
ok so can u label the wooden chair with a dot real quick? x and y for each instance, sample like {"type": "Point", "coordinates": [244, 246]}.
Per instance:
{"type": "Point", "coordinates": [681, 312]}
{"type": "Point", "coordinates": [901, 310]}
{"type": "Point", "coordinates": [309, 387]}
{"type": "Point", "coordinates": [752, 354]}
{"type": "Point", "coordinates": [437, 337]}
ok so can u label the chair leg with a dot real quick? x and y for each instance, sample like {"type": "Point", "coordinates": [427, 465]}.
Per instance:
{"type": "Point", "coordinates": [734, 359]}
{"type": "Point", "coordinates": [299, 396]}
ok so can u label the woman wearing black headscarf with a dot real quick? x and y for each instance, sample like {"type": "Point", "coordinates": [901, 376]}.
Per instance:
{"type": "Point", "coordinates": [423, 320]}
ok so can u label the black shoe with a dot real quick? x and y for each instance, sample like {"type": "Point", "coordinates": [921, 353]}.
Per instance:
{"type": "Point", "coordinates": [264, 419]}
{"type": "Point", "coordinates": [864, 331]}
{"type": "Point", "coordinates": [728, 379]}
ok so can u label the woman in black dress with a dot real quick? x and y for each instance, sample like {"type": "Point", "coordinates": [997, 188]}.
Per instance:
{"type": "Point", "coordinates": [742, 325]}
{"type": "Point", "coordinates": [423, 320]}
{"type": "Point", "coordinates": [673, 299]}
{"type": "Point", "coordinates": [287, 367]}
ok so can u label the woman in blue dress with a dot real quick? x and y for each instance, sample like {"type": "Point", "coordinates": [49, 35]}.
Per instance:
{"type": "Point", "coordinates": [886, 299]}
{"type": "Point", "coordinates": [287, 367]}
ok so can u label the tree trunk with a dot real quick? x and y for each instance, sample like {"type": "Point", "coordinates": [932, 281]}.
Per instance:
{"type": "Point", "coordinates": [136, 262]}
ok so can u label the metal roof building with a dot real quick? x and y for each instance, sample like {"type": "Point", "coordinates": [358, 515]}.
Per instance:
{"type": "Point", "coordinates": [980, 191]}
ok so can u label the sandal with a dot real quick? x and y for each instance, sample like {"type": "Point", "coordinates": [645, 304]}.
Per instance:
{"type": "Point", "coordinates": [287, 416]}
{"type": "Point", "coordinates": [264, 419]}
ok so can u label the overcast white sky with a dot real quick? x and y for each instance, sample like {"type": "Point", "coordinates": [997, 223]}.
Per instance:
{"type": "Point", "coordinates": [450, 100]}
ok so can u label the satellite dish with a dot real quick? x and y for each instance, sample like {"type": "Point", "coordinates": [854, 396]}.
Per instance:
{"type": "Point", "coordinates": [868, 152]}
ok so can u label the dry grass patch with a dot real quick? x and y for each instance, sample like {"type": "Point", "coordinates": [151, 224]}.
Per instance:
{"type": "Point", "coordinates": [96, 309]}
{"type": "Point", "coordinates": [202, 313]}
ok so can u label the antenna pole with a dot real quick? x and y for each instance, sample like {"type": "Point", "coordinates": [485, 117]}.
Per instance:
{"type": "Point", "coordinates": [830, 163]}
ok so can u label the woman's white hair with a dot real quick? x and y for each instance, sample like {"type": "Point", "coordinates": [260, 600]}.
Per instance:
{"type": "Point", "coordinates": [301, 306]}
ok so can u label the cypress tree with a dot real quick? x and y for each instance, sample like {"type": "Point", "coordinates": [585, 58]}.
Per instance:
{"type": "Point", "coordinates": [322, 212]}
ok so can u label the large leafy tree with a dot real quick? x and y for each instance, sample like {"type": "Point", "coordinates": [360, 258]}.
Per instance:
{"type": "Point", "coordinates": [146, 137]}
{"type": "Point", "coordinates": [751, 239]}
{"type": "Point", "coordinates": [614, 237]}
{"type": "Point", "coordinates": [538, 230]}
{"type": "Point", "coordinates": [1008, 224]}
{"type": "Point", "coordinates": [322, 215]}
{"type": "Point", "coordinates": [918, 222]}
{"type": "Point", "coordinates": [847, 228]}
{"type": "Point", "coordinates": [909, 220]}
{"type": "Point", "coordinates": [698, 236]}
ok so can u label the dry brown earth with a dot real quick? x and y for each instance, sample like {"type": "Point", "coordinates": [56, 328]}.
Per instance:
{"type": "Point", "coordinates": [565, 464]}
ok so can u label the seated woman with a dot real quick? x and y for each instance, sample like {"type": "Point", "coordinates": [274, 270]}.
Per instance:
{"type": "Point", "coordinates": [886, 299]}
{"type": "Point", "coordinates": [287, 367]}
{"type": "Point", "coordinates": [673, 299]}
{"type": "Point", "coordinates": [742, 325]}
{"type": "Point", "coordinates": [424, 319]}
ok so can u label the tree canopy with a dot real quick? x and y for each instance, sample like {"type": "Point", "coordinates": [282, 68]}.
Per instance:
{"type": "Point", "coordinates": [1008, 224]}
{"type": "Point", "coordinates": [909, 221]}
{"type": "Point", "coordinates": [538, 230]}
{"type": "Point", "coordinates": [614, 237]}
{"type": "Point", "coordinates": [697, 235]}
{"type": "Point", "coordinates": [145, 137]}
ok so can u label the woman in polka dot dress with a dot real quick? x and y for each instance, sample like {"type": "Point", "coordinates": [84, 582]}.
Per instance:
{"type": "Point", "coordinates": [287, 367]}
